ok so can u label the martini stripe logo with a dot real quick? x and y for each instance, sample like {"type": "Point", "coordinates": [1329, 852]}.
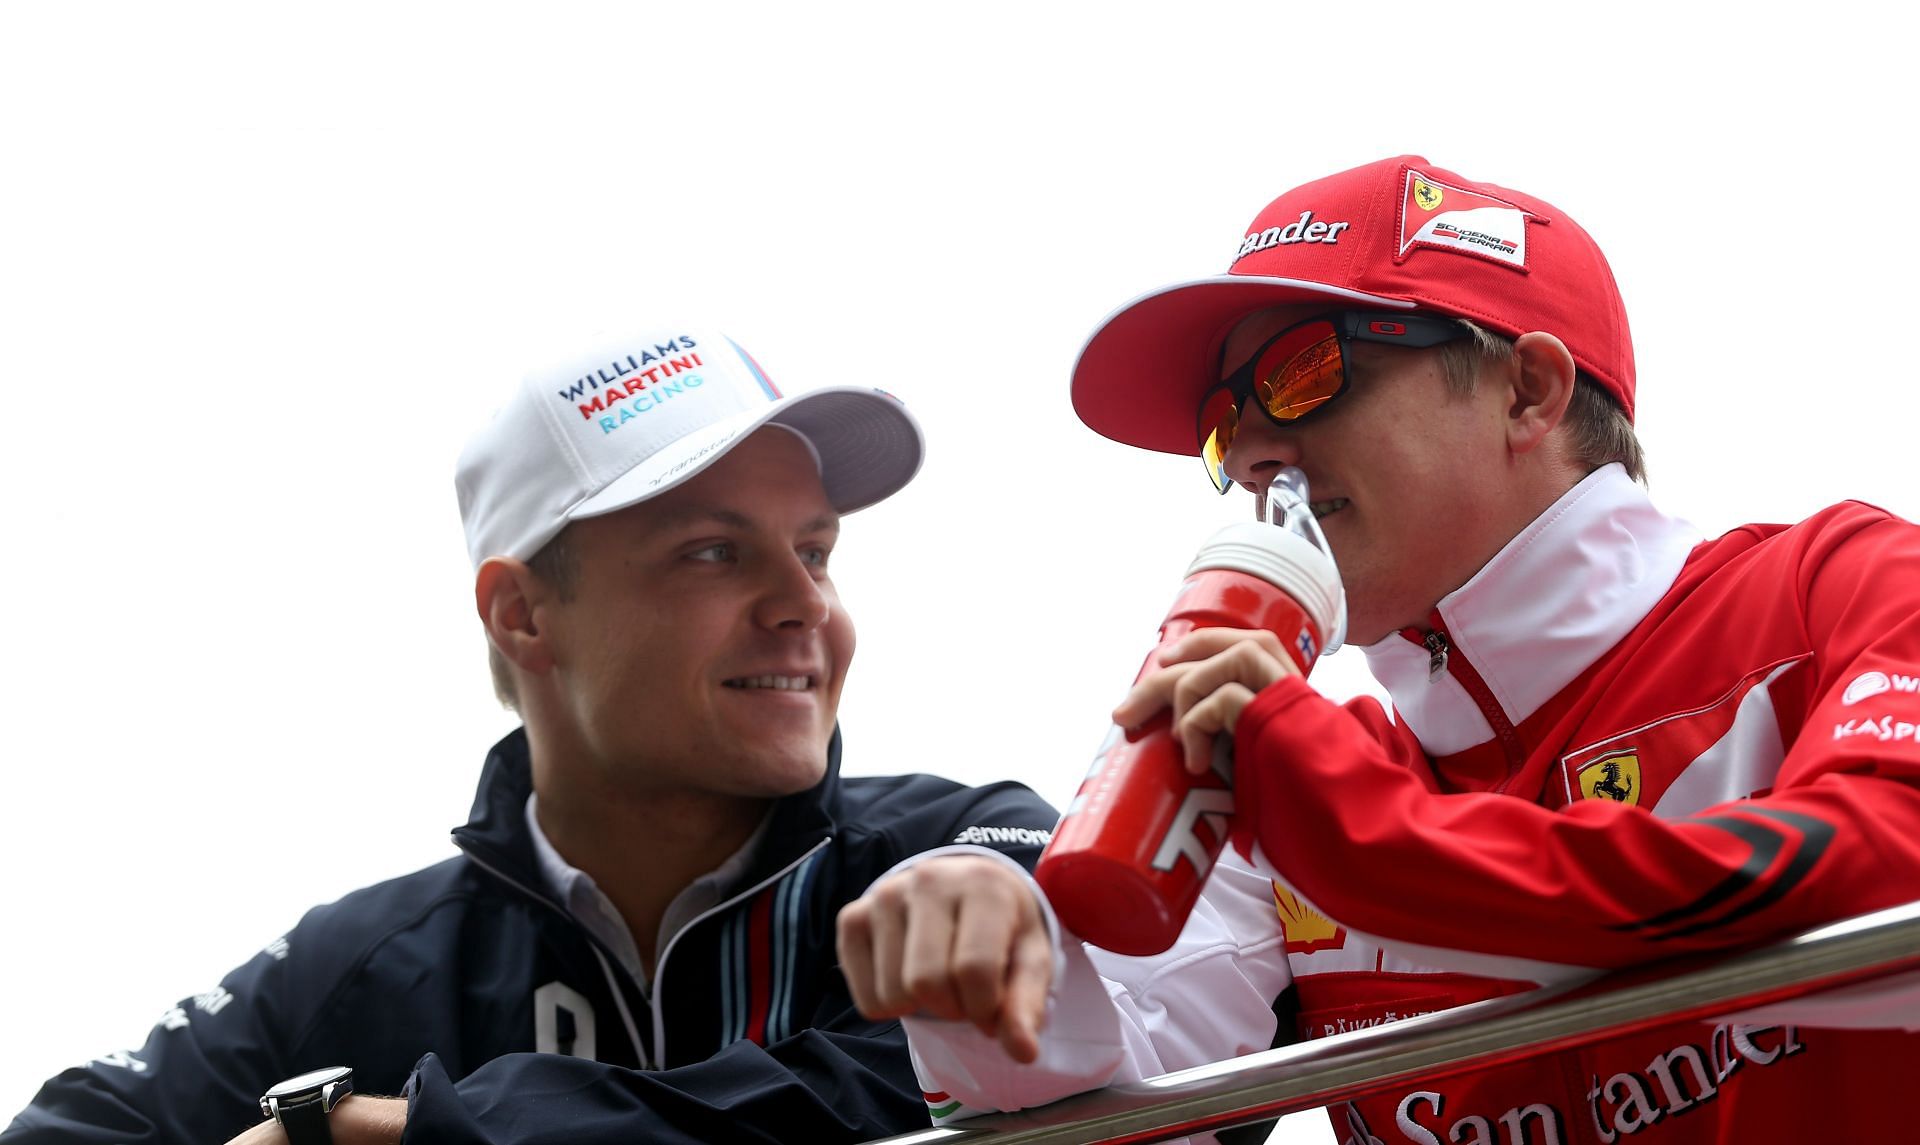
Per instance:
{"type": "Point", "coordinates": [758, 969]}
{"type": "Point", "coordinates": [759, 375]}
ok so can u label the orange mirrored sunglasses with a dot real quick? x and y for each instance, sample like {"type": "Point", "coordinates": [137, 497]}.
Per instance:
{"type": "Point", "coordinates": [1299, 370]}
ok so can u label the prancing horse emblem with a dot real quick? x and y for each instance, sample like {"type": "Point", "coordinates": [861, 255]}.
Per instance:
{"type": "Point", "coordinates": [1615, 777]}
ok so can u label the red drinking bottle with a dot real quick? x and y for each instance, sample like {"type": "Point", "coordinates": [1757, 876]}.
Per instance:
{"type": "Point", "coordinates": [1129, 857]}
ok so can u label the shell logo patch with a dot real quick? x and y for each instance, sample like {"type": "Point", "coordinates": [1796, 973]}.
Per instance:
{"type": "Point", "coordinates": [1305, 928]}
{"type": "Point", "coordinates": [1471, 223]}
{"type": "Point", "coordinates": [1615, 777]}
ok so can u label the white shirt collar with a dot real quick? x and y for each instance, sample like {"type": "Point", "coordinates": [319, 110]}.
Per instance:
{"type": "Point", "coordinates": [1550, 602]}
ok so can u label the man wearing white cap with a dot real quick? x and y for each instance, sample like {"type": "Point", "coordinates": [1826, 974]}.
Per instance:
{"type": "Point", "coordinates": [636, 942]}
{"type": "Point", "coordinates": [1613, 741]}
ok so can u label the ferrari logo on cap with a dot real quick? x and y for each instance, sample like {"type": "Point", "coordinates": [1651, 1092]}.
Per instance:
{"type": "Point", "coordinates": [1615, 777]}
{"type": "Point", "coordinates": [1306, 929]}
{"type": "Point", "coordinates": [1470, 223]}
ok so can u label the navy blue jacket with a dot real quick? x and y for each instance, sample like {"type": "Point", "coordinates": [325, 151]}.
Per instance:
{"type": "Point", "coordinates": [442, 983]}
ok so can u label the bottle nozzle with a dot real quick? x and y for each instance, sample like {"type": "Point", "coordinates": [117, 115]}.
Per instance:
{"type": "Point", "coordinates": [1285, 502]}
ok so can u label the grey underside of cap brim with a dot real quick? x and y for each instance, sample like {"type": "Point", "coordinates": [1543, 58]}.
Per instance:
{"type": "Point", "coordinates": [869, 446]}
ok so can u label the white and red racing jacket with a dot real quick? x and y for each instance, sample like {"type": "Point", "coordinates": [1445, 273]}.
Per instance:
{"type": "Point", "coordinates": [1614, 744]}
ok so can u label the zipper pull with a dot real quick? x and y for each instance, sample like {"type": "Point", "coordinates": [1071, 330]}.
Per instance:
{"type": "Point", "coordinates": [1436, 655]}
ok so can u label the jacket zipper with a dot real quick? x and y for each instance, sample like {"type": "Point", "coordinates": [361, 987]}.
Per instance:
{"type": "Point", "coordinates": [1440, 659]}
{"type": "Point", "coordinates": [660, 967]}
{"type": "Point", "coordinates": [1437, 648]}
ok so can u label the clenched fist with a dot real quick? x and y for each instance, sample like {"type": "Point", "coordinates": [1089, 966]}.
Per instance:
{"type": "Point", "coordinates": [958, 937]}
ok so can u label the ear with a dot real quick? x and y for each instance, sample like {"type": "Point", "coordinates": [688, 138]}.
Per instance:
{"type": "Point", "coordinates": [1542, 379]}
{"type": "Point", "coordinates": [508, 595]}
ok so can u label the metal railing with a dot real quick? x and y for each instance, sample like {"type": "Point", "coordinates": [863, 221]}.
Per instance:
{"type": "Point", "coordinates": [1477, 1036]}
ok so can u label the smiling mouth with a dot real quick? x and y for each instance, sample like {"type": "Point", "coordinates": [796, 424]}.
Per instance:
{"type": "Point", "coordinates": [776, 683]}
{"type": "Point", "coordinates": [1327, 508]}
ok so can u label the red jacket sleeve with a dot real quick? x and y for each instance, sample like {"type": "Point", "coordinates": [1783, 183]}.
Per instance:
{"type": "Point", "coordinates": [1598, 883]}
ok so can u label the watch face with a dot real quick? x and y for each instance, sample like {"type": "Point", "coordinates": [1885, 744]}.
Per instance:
{"type": "Point", "coordinates": [308, 1082]}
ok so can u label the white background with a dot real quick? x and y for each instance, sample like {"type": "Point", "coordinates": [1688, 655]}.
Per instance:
{"type": "Point", "coordinates": [265, 267]}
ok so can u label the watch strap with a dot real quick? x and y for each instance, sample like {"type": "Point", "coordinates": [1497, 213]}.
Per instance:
{"type": "Point", "coordinates": [305, 1120]}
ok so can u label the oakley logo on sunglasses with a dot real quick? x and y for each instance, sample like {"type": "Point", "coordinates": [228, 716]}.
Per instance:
{"type": "Point", "coordinates": [1304, 229]}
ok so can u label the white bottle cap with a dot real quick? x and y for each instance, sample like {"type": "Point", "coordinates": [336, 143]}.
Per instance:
{"type": "Point", "coordinates": [1288, 562]}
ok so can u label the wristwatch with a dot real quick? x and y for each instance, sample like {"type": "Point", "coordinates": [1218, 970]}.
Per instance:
{"type": "Point", "coordinates": [301, 1104]}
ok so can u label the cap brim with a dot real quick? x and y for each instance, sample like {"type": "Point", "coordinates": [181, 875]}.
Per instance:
{"type": "Point", "coordinates": [869, 448]}
{"type": "Point", "coordinates": [1140, 377]}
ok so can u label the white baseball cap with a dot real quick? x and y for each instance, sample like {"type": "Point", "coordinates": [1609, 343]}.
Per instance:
{"type": "Point", "coordinates": [635, 416]}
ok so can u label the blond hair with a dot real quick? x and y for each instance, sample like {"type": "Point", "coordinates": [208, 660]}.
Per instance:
{"type": "Point", "coordinates": [1599, 430]}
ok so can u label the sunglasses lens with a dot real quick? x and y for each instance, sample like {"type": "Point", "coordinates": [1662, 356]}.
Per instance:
{"type": "Point", "coordinates": [1218, 420]}
{"type": "Point", "coordinates": [1300, 372]}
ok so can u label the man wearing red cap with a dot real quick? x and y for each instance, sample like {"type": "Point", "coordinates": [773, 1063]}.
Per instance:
{"type": "Point", "coordinates": [1612, 741]}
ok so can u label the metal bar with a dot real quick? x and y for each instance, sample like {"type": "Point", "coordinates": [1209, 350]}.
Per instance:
{"type": "Point", "coordinates": [1481, 1035]}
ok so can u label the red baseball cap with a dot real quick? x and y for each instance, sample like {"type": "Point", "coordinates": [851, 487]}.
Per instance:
{"type": "Point", "coordinates": [1399, 234]}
